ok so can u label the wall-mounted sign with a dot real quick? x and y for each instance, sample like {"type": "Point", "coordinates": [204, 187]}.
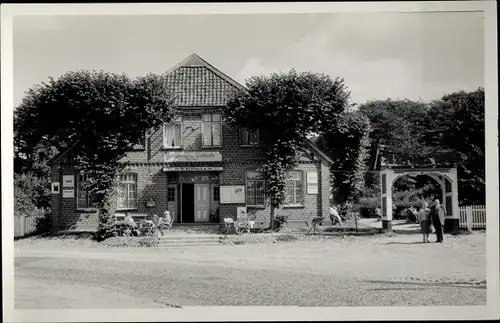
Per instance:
{"type": "Point", "coordinates": [312, 183]}
{"type": "Point", "coordinates": [191, 169]}
{"type": "Point", "coordinates": [68, 181]}
{"type": "Point", "coordinates": [55, 188]}
{"type": "Point", "coordinates": [232, 194]}
{"type": "Point", "coordinates": [68, 192]}
{"type": "Point", "coordinates": [150, 203]}
{"type": "Point", "coordinates": [192, 156]}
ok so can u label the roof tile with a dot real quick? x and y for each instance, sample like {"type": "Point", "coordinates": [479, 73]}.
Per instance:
{"type": "Point", "coordinates": [196, 83]}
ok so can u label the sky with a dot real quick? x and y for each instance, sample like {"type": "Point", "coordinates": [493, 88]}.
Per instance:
{"type": "Point", "coordinates": [419, 56]}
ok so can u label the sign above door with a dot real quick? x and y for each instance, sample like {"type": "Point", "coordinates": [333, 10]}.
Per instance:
{"type": "Point", "coordinates": [192, 156]}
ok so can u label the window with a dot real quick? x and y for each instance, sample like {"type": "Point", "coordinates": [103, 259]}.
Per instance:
{"type": "Point", "coordinates": [294, 190]}
{"type": "Point", "coordinates": [216, 193]}
{"type": "Point", "coordinates": [171, 194]}
{"type": "Point", "coordinates": [127, 191]}
{"type": "Point", "coordinates": [172, 134]}
{"type": "Point", "coordinates": [255, 190]}
{"type": "Point", "coordinates": [212, 125]}
{"type": "Point", "coordinates": [84, 200]}
{"type": "Point", "coordinates": [249, 137]}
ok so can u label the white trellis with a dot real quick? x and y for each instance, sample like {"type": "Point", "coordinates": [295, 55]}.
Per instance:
{"type": "Point", "coordinates": [446, 177]}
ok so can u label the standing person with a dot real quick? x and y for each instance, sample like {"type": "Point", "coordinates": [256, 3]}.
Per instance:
{"type": "Point", "coordinates": [437, 217]}
{"type": "Point", "coordinates": [378, 212]}
{"type": "Point", "coordinates": [424, 219]}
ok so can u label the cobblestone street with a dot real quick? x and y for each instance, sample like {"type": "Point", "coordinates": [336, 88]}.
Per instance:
{"type": "Point", "coordinates": [362, 271]}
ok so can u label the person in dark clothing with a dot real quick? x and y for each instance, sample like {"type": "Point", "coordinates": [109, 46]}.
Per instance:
{"type": "Point", "coordinates": [437, 216]}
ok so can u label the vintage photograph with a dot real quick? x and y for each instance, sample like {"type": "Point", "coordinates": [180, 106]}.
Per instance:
{"type": "Point", "coordinates": [301, 159]}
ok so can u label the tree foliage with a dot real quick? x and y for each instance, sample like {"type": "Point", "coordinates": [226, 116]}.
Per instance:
{"type": "Point", "coordinates": [461, 115]}
{"type": "Point", "coordinates": [100, 115]}
{"type": "Point", "coordinates": [417, 133]}
{"type": "Point", "coordinates": [348, 145]}
{"type": "Point", "coordinates": [286, 108]}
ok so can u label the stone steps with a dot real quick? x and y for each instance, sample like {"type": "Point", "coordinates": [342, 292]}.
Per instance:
{"type": "Point", "coordinates": [184, 240]}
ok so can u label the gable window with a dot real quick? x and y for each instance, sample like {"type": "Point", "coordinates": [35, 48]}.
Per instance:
{"type": "Point", "coordinates": [249, 137]}
{"type": "Point", "coordinates": [212, 125]}
{"type": "Point", "coordinates": [84, 200]}
{"type": "Point", "coordinates": [255, 190]}
{"type": "Point", "coordinates": [127, 191]}
{"type": "Point", "coordinates": [172, 134]}
{"type": "Point", "coordinates": [294, 189]}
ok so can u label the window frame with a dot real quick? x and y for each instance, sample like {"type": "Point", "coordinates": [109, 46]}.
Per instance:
{"type": "Point", "coordinates": [294, 196]}
{"type": "Point", "coordinates": [203, 125]}
{"type": "Point", "coordinates": [247, 133]}
{"type": "Point", "coordinates": [118, 208]}
{"type": "Point", "coordinates": [216, 195]}
{"type": "Point", "coordinates": [169, 189]}
{"type": "Point", "coordinates": [247, 181]}
{"type": "Point", "coordinates": [88, 206]}
{"type": "Point", "coordinates": [178, 121]}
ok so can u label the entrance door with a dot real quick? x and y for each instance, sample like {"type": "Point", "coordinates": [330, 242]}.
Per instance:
{"type": "Point", "coordinates": [187, 203]}
{"type": "Point", "coordinates": [172, 197]}
{"type": "Point", "coordinates": [201, 202]}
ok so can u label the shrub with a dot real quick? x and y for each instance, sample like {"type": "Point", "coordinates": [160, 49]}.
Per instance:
{"type": "Point", "coordinates": [214, 216]}
{"type": "Point", "coordinates": [44, 222]}
{"type": "Point", "coordinates": [279, 221]}
{"type": "Point", "coordinates": [367, 206]}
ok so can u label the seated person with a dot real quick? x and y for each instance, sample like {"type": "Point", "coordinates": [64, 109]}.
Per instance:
{"type": "Point", "coordinates": [129, 221]}
{"type": "Point", "coordinates": [166, 219]}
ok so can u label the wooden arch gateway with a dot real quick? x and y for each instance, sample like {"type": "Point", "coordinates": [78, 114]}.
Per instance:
{"type": "Point", "coordinates": [445, 176]}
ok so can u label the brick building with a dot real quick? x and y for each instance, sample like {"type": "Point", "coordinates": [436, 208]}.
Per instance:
{"type": "Point", "coordinates": [197, 167]}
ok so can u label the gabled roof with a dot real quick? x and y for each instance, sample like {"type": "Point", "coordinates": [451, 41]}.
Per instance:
{"type": "Point", "coordinates": [54, 160]}
{"type": "Point", "coordinates": [196, 83]}
{"type": "Point", "coordinates": [426, 157]}
{"type": "Point", "coordinates": [318, 151]}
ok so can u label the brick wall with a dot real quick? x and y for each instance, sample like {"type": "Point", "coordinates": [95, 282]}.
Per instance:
{"type": "Point", "coordinates": [152, 181]}
{"type": "Point", "coordinates": [64, 210]}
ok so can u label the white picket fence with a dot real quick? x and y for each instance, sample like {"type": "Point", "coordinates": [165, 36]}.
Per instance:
{"type": "Point", "coordinates": [473, 217]}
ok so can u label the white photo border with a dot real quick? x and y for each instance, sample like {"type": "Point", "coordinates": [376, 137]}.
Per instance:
{"type": "Point", "coordinates": [491, 311]}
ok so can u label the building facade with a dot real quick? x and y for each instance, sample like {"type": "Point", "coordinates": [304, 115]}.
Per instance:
{"type": "Point", "coordinates": [198, 167]}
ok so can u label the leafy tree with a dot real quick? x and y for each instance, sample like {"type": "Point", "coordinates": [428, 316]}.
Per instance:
{"type": "Point", "coordinates": [286, 108]}
{"type": "Point", "coordinates": [348, 145]}
{"type": "Point", "coordinates": [100, 115]}
{"type": "Point", "coordinates": [461, 115]}
{"type": "Point", "coordinates": [399, 126]}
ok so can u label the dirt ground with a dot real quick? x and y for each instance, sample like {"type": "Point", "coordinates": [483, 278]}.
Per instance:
{"type": "Point", "coordinates": [403, 270]}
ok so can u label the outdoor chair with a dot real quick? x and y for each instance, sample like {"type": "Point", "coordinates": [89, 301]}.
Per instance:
{"type": "Point", "coordinates": [314, 224]}
{"type": "Point", "coordinates": [242, 224]}
{"type": "Point", "coordinates": [148, 228]}
{"type": "Point", "coordinates": [165, 225]}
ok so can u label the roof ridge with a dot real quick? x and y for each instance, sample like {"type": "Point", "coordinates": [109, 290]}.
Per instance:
{"type": "Point", "coordinates": [204, 63]}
